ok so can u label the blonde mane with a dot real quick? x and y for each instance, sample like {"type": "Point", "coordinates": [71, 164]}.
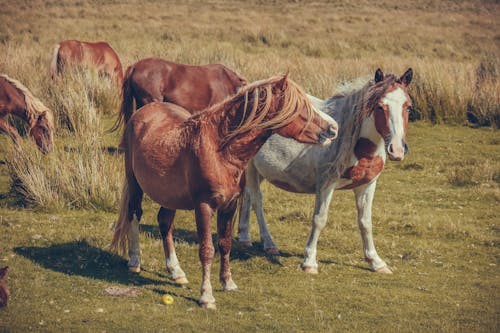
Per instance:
{"type": "Point", "coordinates": [34, 107]}
{"type": "Point", "coordinates": [256, 100]}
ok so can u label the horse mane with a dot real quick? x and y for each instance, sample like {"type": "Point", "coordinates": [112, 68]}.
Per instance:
{"type": "Point", "coordinates": [256, 100]}
{"type": "Point", "coordinates": [350, 107]}
{"type": "Point", "coordinates": [34, 107]}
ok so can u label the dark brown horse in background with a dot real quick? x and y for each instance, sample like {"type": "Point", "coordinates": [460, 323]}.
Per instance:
{"type": "Point", "coordinates": [99, 56]}
{"type": "Point", "coordinates": [184, 161]}
{"type": "Point", "coordinates": [18, 101]}
{"type": "Point", "coordinates": [192, 87]}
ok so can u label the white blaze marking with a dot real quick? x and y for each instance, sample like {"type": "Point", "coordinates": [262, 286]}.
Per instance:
{"type": "Point", "coordinates": [394, 101]}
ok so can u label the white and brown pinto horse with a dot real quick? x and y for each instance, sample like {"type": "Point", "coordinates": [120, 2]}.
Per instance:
{"type": "Point", "coordinates": [95, 55]}
{"type": "Point", "coordinates": [184, 161]}
{"type": "Point", "coordinates": [16, 100]}
{"type": "Point", "coordinates": [192, 87]}
{"type": "Point", "coordinates": [373, 122]}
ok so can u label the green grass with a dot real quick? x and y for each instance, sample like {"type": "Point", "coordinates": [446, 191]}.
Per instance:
{"type": "Point", "coordinates": [435, 214]}
{"type": "Point", "coordinates": [440, 238]}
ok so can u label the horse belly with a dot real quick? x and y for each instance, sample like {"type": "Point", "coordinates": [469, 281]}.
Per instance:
{"type": "Point", "coordinates": [169, 190]}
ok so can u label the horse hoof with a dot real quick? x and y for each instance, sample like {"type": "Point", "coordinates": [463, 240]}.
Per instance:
{"type": "Point", "coordinates": [272, 251]}
{"type": "Point", "coordinates": [245, 244]}
{"type": "Point", "coordinates": [230, 286]}
{"type": "Point", "coordinates": [383, 270]}
{"type": "Point", "coordinates": [310, 269]}
{"type": "Point", "coordinates": [209, 306]}
{"type": "Point", "coordinates": [135, 269]}
{"type": "Point", "coordinates": [181, 280]}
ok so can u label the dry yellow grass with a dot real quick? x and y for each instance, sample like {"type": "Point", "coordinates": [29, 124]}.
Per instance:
{"type": "Point", "coordinates": [441, 236]}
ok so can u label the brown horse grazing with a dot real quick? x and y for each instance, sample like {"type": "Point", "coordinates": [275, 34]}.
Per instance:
{"type": "Point", "coordinates": [196, 162]}
{"type": "Point", "coordinates": [99, 55]}
{"type": "Point", "coordinates": [17, 100]}
{"type": "Point", "coordinates": [192, 87]}
{"type": "Point", "coordinates": [4, 291]}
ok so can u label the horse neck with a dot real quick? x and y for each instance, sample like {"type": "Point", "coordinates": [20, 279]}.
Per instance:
{"type": "Point", "coordinates": [240, 149]}
{"type": "Point", "coordinates": [348, 110]}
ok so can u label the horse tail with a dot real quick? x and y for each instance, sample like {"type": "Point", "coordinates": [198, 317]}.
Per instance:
{"type": "Point", "coordinates": [54, 60]}
{"type": "Point", "coordinates": [122, 225]}
{"type": "Point", "coordinates": [127, 106]}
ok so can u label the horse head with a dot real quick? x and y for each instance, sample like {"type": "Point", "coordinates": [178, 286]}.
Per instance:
{"type": "Point", "coordinates": [391, 112]}
{"type": "Point", "coordinates": [43, 132]}
{"type": "Point", "coordinates": [308, 125]}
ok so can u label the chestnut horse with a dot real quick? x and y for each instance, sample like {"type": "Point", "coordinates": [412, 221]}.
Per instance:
{"type": "Point", "coordinates": [4, 291]}
{"type": "Point", "coordinates": [184, 161]}
{"type": "Point", "coordinates": [99, 55]}
{"type": "Point", "coordinates": [373, 122]}
{"type": "Point", "coordinates": [192, 87]}
{"type": "Point", "coordinates": [18, 101]}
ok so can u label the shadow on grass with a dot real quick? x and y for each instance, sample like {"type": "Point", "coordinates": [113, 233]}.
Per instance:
{"type": "Point", "coordinates": [238, 252]}
{"type": "Point", "coordinates": [80, 258]}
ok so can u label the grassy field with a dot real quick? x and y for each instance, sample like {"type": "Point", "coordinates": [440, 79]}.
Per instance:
{"type": "Point", "coordinates": [435, 214]}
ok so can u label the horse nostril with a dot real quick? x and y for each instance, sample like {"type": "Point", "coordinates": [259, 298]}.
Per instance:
{"type": "Point", "coordinates": [332, 132]}
{"type": "Point", "coordinates": [405, 148]}
{"type": "Point", "coordinates": [390, 149]}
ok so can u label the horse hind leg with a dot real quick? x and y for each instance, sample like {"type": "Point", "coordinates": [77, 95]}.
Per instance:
{"type": "Point", "coordinates": [252, 197]}
{"type": "Point", "coordinates": [134, 215]}
{"type": "Point", "coordinates": [166, 224]}
{"type": "Point", "coordinates": [322, 203]}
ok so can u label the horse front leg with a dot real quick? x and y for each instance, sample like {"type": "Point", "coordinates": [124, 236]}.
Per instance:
{"type": "Point", "coordinates": [364, 199]}
{"type": "Point", "coordinates": [322, 203]}
{"type": "Point", "coordinates": [224, 232]}
{"type": "Point", "coordinates": [252, 197]}
{"type": "Point", "coordinates": [8, 129]}
{"type": "Point", "coordinates": [166, 223]}
{"type": "Point", "coordinates": [204, 213]}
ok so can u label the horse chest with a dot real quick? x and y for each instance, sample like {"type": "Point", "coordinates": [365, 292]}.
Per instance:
{"type": "Point", "coordinates": [368, 166]}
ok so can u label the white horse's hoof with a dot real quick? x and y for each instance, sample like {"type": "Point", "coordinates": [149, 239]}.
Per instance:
{"type": "Point", "coordinates": [230, 286]}
{"type": "Point", "coordinates": [209, 306]}
{"type": "Point", "coordinates": [246, 244]}
{"type": "Point", "coordinates": [383, 270]}
{"type": "Point", "coordinates": [181, 280]}
{"type": "Point", "coordinates": [273, 251]}
{"type": "Point", "coordinates": [310, 269]}
{"type": "Point", "coordinates": [135, 269]}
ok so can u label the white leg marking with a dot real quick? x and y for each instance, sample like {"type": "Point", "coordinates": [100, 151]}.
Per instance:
{"type": "Point", "coordinates": [253, 196]}
{"type": "Point", "coordinates": [244, 219]}
{"type": "Point", "coordinates": [323, 199]}
{"type": "Point", "coordinates": [364, 199]}
{"type": "Point", "coordinates": [174, 268]}
{"type": "Point", "coordinates": [207, 299]}
{"type": "Point", "coordinates": [134, 250]}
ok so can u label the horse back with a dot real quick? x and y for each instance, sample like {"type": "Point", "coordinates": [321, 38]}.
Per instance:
{"type": "Point", "coordinates": [157, 154]}
{"type": "Point", "coordinates": [11, 99]}
{"type": "Point", "coordinates": [192, 87]}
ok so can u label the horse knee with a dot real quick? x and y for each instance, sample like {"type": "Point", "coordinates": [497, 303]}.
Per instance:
{"type": "Point", "coordinates": [319, 221]}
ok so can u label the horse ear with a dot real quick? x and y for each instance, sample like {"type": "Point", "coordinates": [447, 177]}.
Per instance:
{"type": "Point", "coordinates": [42, 116]}
{"type": "Point", "coordinates": [283, 80]}
{"type": "Point", "coordinates": [3, 272]}
{"type": "Point", "coordinates": [379, 75]}
{"type": "Point", "coordinates": [406, 77]}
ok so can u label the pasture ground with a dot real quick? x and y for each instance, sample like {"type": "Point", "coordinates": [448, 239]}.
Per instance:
{"type": "Point", "coordinates": [436, 216]}
{"type": "Point", "coordinates": [435, 223]}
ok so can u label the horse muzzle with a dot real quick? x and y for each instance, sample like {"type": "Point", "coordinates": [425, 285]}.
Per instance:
{"type": "Point", "coordinates": [326, 137]}
{"type": "Point", "coordinates": [397, 152]}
